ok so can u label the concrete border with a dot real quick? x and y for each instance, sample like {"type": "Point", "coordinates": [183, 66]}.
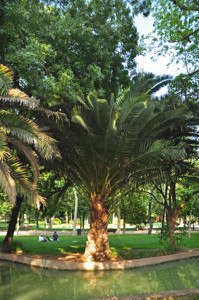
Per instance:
{"type": "Point", "coordinates": [93, 266]}
{"type": "Point", "coordinates": [179, 294]}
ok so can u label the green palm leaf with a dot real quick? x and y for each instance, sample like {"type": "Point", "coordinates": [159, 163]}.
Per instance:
{"type": "Point", "coordinates": [6, 80]}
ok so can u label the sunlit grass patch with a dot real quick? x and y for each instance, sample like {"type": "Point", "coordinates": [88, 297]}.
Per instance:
{"type": "Point", "coordinates": [130, 246]}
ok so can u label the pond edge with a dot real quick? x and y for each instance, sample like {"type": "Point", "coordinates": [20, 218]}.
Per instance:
{"type": "Point", "coordinates": [93, 266]}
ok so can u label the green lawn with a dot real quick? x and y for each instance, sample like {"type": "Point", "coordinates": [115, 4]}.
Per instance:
{"type": "Point", "coordinates": [126, 246]}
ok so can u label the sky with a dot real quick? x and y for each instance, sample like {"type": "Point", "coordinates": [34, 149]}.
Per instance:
{"type": "Point", "coordinates": [145, 26]}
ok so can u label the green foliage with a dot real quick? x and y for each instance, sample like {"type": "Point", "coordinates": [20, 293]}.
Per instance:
{"type": "Point", "coordinates": [142, 6]}
{"type": "Point", "coordinates": [63, 48]}
{"type": "Point", "coordinates": [112, 142]}
{"type": "Point", "coordinates": [180, 237]}
{"type": "Point", "coordinates": [177, 28]}
{"type": "Point", "coordinates": [5, 207]}
{"type": "Point", "coordinates": [17, 245]}
{"type": "Point", "coordinates": [57, 221]}
{"type": "Point", "coordinates": [133, 209]}
{"type": "Point", "coordinates": [6, 80]}
{"type": "Point", "coordinates": [176, 34]}
{"type": "Point", "coordinates": [19, 134]}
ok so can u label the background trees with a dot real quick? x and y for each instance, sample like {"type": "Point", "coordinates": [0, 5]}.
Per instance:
{"type": "Point", "coordinates": [73, 45]}
{"type": "Point", "coordinates": [62, 50]}
{"type": "Point", "coordinates": [176, 34]}
{"type": "Point", "coordinates": [176, 28]}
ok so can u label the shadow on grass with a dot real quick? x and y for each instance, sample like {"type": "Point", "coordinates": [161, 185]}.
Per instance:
{"type": "Point", "coordinates": [30, 245]}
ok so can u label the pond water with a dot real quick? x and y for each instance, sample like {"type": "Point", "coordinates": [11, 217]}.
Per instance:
{"type": "Point", "coordinates": [21, 282]}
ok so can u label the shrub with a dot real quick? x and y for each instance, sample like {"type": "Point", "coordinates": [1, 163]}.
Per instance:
{"type": "Point", "coordinates": [57, 221]}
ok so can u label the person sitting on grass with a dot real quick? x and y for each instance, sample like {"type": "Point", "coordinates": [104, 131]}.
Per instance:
{"type": "Point", "coordinates": [55, 237]}
{"type": "Point", "coordinates": [43, 239]}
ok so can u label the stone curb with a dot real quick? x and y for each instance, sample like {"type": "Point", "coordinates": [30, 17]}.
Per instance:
{"type": "Point", "coordinates": [93, 266]}
{"type": "Point", "coordinates": [183, 294]}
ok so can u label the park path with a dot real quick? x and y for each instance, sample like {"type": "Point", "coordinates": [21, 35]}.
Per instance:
{"type": "Point", "coordinates": [65, 232]}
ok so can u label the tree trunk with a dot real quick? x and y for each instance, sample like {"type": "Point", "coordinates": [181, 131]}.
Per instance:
{"type": "Point", "coordinates": [163, 222]}
{"type": "Point", "coordinates": [18, 221]}
{"type": "Point", "coordinates": [124, 226]}
{"type": "Point", "coordinates": [66, 214]}
{"type": "Point", "coordinates": [75, 212]}
{"type": "Point", "coordinates": [37, 218]}
{"type": "Point", "coordinates": [97, 247]}
{"type": "Point", "coordinates": [172, 218]}
{"type": "Point", "coordinates": [150, 218]}
{"type": "Point", "coordinates": [51, 221]}
{"type": "Point", "coordinates": [7, 243]}
{"type": "Point", "coordinates": [83, 221]}
{"type": "Point", "coordinates": [190, 225]}
{"type": "Point", "coordinates": [172, 234]}
{"type": "Point", "coordinates": [118, 221]}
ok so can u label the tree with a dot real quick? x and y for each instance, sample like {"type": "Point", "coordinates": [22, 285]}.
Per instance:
{"type": "Point", "coordinates": [135, 210]}
{"type": "Point", "coordinates": [67, 46]}
{"type": "Point", "coordinates": [174, 198]}
{"type": "Point", "coordinates": [177, 29]}
{"type": "Point", "coordinates": [111, 143]}
{"type": "Point", "coordinates": [21, 141]}
{"type": "Point", "coordinates": [175, 173]}
{"type": "Point", "coordinates": [176, 33]}
{"type": "Point", "coordinates": [5, 208]}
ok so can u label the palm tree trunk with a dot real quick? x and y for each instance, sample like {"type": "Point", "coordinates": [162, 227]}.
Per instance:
{"type": "Point", "coordinates": [7, 243]}
{"type": "Point", "coordinates": [97, 248]}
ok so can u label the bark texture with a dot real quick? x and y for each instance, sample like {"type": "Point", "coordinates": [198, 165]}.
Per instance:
{"type": "Point", "coordinates": [172, 219]}
{"type": "Point", "coordinates": [7, 243]}
{"type": "Point", "coordinates": [97, 248]}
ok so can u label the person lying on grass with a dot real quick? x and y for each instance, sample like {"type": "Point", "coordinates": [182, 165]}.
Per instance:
{"type": "Point", "coordinates": [44, 239]}
{"type": "Point", "coordinates": [47, 239]}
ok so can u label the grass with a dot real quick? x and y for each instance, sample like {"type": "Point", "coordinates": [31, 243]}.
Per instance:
{"type": "Point", "coordinates": [122, 246]}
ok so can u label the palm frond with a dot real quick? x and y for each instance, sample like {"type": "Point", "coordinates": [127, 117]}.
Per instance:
{"type": "Point", "coordinates": [4, 150]}
{"type": "Point", "coordinates": [29, 154]}
{"type": "Point", "coordinates": [148, 83]}
{"type": "Point", "coordinates": [6, 80]}
{"type": "Point", "coordinates": [77, 117]}
{"type": "Point", "coordinates": [46, 145]}
{"type": "Point", "coordinates": [7, 182]}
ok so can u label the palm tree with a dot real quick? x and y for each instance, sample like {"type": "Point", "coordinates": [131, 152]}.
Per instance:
{"type": "Point", "coordinates": [21, 141]}
{"type": "Point", "coordinates": [112, 143]}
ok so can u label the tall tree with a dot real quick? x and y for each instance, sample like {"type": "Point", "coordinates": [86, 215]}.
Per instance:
{"type": "Point", "coordinates": [176, 33]}
{"type": "Point", "coordinates": [176, 26]}
{"type": "Point", "coordinates": [68, 45]}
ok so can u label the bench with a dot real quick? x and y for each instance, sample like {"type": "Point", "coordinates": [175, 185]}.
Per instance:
{"type": "Point", "coordinates": [112, 230]}
{"type": "Point", "coordinates": [25, 227]}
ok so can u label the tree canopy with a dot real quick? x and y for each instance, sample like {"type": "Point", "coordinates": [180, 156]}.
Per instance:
{"type": "Point", "coordinates": [65, 46]}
